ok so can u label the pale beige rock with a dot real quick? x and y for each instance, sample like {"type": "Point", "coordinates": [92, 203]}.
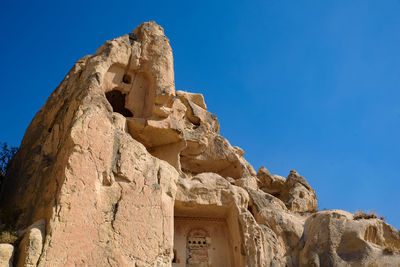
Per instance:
{"type": "Point", "coordinates": [283, 229]}
{"type": "Point", "coordinates": [78, 166]}
{"type": "Point", "coordinates": [333, 238]}
{"type": "Point", "coordinates": [261, 200]}
{"type": "Point", "coordinates": [218, 157]}
{"type": "Point", "coordinates": [210, 188]}
{"type": "Point", "coordinates": [294, 191]}
{"type": "Point", "coordinates": [208, 195]}
{"type": "Point", "coordinates": [206, 150]}
{"type": "Point", "coordinates": [6, 255]}
{"type": "Point", "coordinates": [230, 180]}
{"type": "Point", "coordinates": [125, 171]}
{"type": "Point", "coordinates": [301, 196]}
{"type": "Point", "coordinates": [247, 182]}
{"type": "Point", "coordinates": [238, 151]}
{"type": "Point", "coordinates": [272, 184]}
{"type": "Point", "coordinates": [197, 99]}
{"type": "Point", "coordinates": [31, 245]}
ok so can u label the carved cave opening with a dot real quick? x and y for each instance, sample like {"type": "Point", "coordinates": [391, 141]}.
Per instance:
{"type": "Point", "coordinates": [197, 248]}
{"type": "Point", "coordinates": [205, 236]}
{"type": "Point", "coordinates": [132, 93]}
{"type": "Point", "coordinates": [137, 88]}
{"type": "Point", "coordinates": [117, 101]}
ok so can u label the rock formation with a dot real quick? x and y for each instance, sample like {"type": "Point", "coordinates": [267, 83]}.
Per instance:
{"type": "Point", "coordinates": [120, 169]}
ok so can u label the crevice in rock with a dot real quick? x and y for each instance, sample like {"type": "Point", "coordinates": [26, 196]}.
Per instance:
{"type": "Point", "coordinates": [132, 38]}
{"type": "Point", "coordinates": [122, 179]}
{"type": "Point", "coordinates": [277, 195]}
{"type": "Point", "coordinates": [250, 209]}
{"type": "Point", "coordinates": [159, 175]}
{"type": "Point", "coordinates": [114, 209]}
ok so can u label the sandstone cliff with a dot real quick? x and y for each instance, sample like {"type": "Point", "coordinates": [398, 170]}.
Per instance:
{"type": "Point", "coordinates": [120, 169]}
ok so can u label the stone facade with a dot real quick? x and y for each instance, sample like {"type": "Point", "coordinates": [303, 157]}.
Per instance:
{"type": "Point", "coordinates": [120, 169]}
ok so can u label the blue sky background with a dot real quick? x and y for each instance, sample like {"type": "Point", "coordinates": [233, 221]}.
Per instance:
{"type": "Point", "coordinates": [305, 85]}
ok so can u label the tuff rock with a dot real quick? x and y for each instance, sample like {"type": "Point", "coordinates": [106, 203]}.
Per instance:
{"type": "Point", "coordinates": [30, 247]}
{"type": "Point", "coordinates": [120, 169]}
{"type": "Point", "coordinates": [6, 255]}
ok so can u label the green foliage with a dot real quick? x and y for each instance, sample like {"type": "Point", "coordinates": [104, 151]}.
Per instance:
{"type": "Point", "coordinates": [10, 237]}
{"type": "Point", "coordinates": [6, 154]}
{"type": "Point", "coordinates": [7, 234]}
{"type": "Point", "coordinates": [367, 215]}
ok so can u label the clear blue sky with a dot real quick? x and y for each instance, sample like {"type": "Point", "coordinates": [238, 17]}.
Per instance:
{"type": "Point", "coordinates": [305, 85]}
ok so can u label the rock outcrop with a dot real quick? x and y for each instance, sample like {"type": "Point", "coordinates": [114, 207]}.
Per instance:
{"type": "Point", "coordinates": [6, 255]}
{"type": "Point", "coordinates": [120, 169]}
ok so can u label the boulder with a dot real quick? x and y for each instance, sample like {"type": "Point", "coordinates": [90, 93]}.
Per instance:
{"type": "Point", "coordinates": [333, 238]}
{"type": "Point", "coordinates": [31, 245]}
{"type": "Point", "coordinates": [6, 255]}
{"type": "Point", "coordinates": [294, 191]}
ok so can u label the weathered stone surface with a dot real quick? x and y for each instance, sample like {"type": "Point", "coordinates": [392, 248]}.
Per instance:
{"type": "Point", "coordinates": [210, 195]}
{"type": "Point", "coordinates": [294, 191]}
{"type": "Point", "coordinates": [6, 255]}
{"type": "Point", "coordinates": [126, 171]}
{"type": "Point", "coordinates": [284, 229]}
{"type": "Point", "coordinates": [99, 190]}
{"type": "Point", "coordinates": [333, 238]}
{"type": "Point", "coordinates": [247, 181]}
{"type": "Point", "coordinates": [31, 245]}
{"type": "Point", "coordinates": [197, 99]}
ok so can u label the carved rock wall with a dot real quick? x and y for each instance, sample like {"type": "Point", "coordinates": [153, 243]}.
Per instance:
{"type": "Point", "coordinates": [122, 170]}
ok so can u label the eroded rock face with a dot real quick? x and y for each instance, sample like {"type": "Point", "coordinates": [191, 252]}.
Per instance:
{"type": "Point", "coordinates": [120, 169]}
{"type": "Point", "coordinates": [333, 238]}
{"type": "Point", "coordinates": [294, 191]}
{"type": "Point", "coordinates": [6, 255]}
{"type": "Point", "coordinates": [31, 245]}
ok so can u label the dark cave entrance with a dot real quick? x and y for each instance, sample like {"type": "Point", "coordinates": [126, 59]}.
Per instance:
{"type": "Point", "coordinates": [117, 101]}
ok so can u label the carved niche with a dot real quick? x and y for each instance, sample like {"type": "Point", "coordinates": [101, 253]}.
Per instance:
{"type": "Point", "coordinates": [197, 248]}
